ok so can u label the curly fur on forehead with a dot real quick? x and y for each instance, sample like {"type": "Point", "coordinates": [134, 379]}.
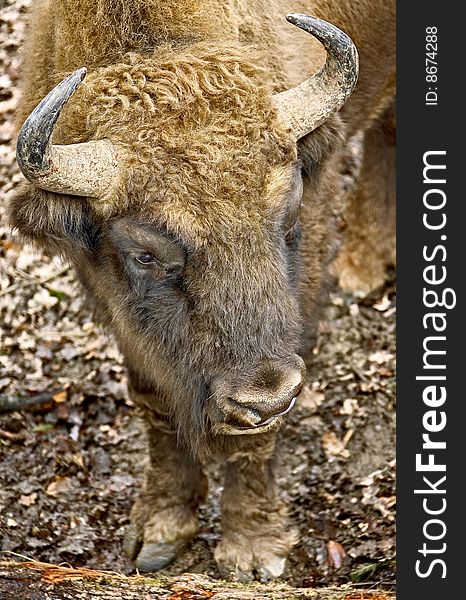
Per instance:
{"type": "Point", "coordinates": [196, 125]}
{"type": "Point", "coordinates": [101, 31]}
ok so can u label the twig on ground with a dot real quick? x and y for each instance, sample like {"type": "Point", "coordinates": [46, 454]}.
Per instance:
{"type": "Point", "coordinates": [11, 437]}
{"type": "Point", "coordinates": [33, 281]}
{"type": "Point", "coordinates": [38, 403]}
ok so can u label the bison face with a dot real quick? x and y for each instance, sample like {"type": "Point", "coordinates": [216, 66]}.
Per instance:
{"type": "Point", "coordinates": [208, 316]}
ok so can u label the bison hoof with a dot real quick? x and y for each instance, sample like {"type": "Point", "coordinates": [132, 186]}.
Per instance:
{"type": "Point", "coordinates": [150, 556]}
{"type": "Point", "coordinates": [132, 541]}
{"type": "Point", "coordinates": [152, 541]}
{"type": "Point", "coordinates": [248, 565]}
{"type": "Point", "coordinates": [153, 557]}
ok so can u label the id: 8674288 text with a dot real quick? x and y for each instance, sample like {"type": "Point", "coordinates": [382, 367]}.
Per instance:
{"type": "Point", "coordinates": [431, 68]}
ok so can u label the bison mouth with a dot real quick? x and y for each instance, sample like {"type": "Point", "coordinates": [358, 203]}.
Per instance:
{"type": "Point", "coordinates": [275, 421]}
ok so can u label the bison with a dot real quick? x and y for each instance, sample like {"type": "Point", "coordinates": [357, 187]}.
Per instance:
{"type": "Point", "coordinates": [190, 177]}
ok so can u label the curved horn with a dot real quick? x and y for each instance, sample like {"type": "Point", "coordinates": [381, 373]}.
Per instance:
{"type": "Point", "coordinates": [309, 104]}
{"type": "Point", "coordinates": [86, 169]}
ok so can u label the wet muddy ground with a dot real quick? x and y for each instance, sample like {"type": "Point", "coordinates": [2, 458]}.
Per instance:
{"type": "Point", "coordinates": [71, 464]}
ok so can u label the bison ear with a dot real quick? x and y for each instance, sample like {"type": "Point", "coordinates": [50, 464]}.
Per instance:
{"type": "Point", "coordinates": [316, 148]}
{"type": "Point", "coordinates": [58, 224]}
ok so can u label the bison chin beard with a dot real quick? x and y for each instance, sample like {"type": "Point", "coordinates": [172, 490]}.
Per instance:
{"type": "Point", "coordinates": [205, 437]}
{"type": "Point", "coordinates": [195, 420]}
{"type": "Point", "coordinates": [202, 431]}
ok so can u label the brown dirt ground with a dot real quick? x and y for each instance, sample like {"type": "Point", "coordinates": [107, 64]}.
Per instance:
{"type": "Point", "coordinates": [70, 468]}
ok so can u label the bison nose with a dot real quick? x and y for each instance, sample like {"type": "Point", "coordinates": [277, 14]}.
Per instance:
{"type": "Point", "coordinates": [257, 414]}
{"type": "Point", "coordinates": [272, 393]}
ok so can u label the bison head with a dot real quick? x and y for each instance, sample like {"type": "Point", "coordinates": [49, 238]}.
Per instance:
{"type": "Point", "coordinates": [180, 213]}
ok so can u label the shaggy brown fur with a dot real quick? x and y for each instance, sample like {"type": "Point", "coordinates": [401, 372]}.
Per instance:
{"type": "Point", "coordinates": [211, 186]}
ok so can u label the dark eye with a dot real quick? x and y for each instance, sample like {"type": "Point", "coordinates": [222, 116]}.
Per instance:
{"type": "Point", "coordinates": [146, 259]}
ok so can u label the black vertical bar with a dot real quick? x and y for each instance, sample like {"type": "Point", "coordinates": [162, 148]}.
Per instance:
{"type": "Point", "coordinates": [430, 130]}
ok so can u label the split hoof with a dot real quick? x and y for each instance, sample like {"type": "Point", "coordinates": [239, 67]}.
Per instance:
{"type": "Point", "coordinates": [254, 564]}
{"type": "Point", "coordinates": [153, 557]}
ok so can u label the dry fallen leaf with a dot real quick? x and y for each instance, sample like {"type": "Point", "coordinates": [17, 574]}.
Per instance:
{"type": "Point", "coordinates": [354, 310]}
{"type": "Point", "coordinates": [28, 499]}
{"type": "Point", "coordinates": [336, 554]}
{"type": "Point", "coordinates": [310, 399]}
{"type": "Point", "coordinates": [78, 460]}
{"type": "Point", "coordinates": [334, 446]}
{"type": "Point", "coordinates": [383, 304]}
{"type": "Point", "coordinates": [60, 397]}
{"type": "Point", "coordinates": [59, 486]}
{"type": "Point", "coordinates": [350, 405]}
{"type": "Point", "coordinates": [381, 357]}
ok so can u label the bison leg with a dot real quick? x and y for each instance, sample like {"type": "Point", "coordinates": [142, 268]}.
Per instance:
{"type": "Point", "coordinates": [369, 239]}
{"type": "Point", "coordinates": [164, 517]}
{"type": "Point", "coordinates": [255, 541]}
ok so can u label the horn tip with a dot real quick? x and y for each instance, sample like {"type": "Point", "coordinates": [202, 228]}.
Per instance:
{"type": "Point", "coordinates": [82, 71]}
{"type": "Point", "coordinates": [327, 33]}
{"type": "Point", "coordinates": [33, 142]}
{"type": "Point", "coordinates": [78, 75]}
{"type": "Point", "coordinates": [296, 18]}
{"type": "Point", "coordinates": [74, 79]}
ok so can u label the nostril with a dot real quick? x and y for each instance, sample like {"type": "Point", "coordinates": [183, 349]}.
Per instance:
{"type": "Point", "coordinates": [242, 415]}
{"type": "Point", "coordinates": [282, 413]}
{"type": "Point", "coordinates": [277, 409]}
{"type": "Point", "coordinates": [244, 411]}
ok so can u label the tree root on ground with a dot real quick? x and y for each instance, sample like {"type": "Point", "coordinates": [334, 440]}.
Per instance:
{"type": "Point", "coordinates": [28, 580]}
